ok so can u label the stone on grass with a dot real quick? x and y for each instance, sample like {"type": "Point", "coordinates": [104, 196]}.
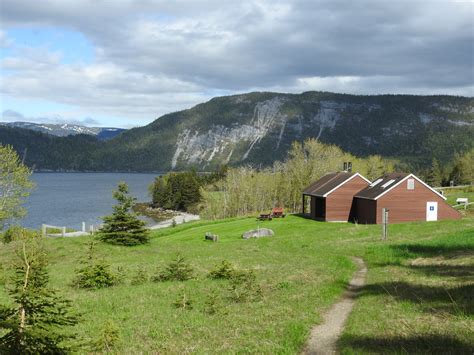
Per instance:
{"type": "Point", "coordinates": [258, 233]}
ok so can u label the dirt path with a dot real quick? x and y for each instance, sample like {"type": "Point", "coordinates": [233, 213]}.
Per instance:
{"type": "Point", "coordinates": [180, 218]}
{"type": "Point", "coordinates": [324, 337]}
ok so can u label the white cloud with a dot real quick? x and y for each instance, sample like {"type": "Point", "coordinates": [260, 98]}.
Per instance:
{"type": "Point", "coordinates": [153, 57]}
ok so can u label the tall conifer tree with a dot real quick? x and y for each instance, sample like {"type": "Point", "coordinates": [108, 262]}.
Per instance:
{"type": "Point", "coordinates": [123, 227]}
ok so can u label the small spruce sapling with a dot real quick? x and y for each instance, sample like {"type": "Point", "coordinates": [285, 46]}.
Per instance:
{"type": "Point", "coordinates": [36, 321]}
{"type": "Point", "coordinates": [224, 270]}
{"type": "Point", "coordinates": [94, 273]}
{"type": "Point", "coordinates": [183, 301]}
{"type": "Point", "coordinates": [177, 270]}
{"type": "Point", "coordinates": [244, 287]}
{"type": "Point", "coordinates": [109, 337]}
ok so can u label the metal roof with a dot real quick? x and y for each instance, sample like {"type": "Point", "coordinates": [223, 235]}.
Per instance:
{"type": "Point", "coordinates": [387, 182]}
{"type": "Point", "coordinates": [373, 191]}
{"type": "Point", "coordinates": [329, 183]}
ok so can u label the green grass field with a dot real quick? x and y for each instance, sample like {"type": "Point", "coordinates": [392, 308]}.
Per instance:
{"type": "Point", "coordinates": [418, 296]}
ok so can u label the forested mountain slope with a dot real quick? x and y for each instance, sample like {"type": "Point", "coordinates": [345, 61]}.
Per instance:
{"type": "Point", "coordinates": [258, 128]}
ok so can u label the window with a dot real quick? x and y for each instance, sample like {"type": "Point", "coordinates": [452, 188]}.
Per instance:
{"type": "Point", "coordinates": [390, 182]}
{"type": "Point", "coordinates": [410, 184]}
{"type": "Point", "coordinates": [375, 182]}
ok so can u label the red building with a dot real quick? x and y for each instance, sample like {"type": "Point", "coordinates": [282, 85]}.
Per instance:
{"type": "Point", "coordinates": [332, 196]}
{"type": "Point", "coordinates": [406, 197]}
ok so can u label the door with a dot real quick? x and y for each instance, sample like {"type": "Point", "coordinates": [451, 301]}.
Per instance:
{"type": "Point", "coordinates": [431, 211]}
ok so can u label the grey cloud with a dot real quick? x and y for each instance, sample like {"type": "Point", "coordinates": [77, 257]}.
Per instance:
{"type": "Point", "coordinates": [160, 56]}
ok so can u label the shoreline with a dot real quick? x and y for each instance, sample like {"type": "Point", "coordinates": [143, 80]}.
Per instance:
{"type": "Point", "coordinates": [179, 218]}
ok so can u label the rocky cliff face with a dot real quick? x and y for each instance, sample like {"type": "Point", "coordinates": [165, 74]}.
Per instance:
{"type": "Point", "coordinates": [262, 129]}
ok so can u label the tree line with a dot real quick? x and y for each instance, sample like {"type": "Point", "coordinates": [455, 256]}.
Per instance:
{"type": "Point", "coordinates": [245, 190]}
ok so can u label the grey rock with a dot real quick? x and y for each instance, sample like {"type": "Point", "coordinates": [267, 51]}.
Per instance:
{"type": "Point", "coordinates": [258, 233]}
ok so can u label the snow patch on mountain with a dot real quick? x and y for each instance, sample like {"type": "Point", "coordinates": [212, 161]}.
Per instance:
{"type": "Point", "coordinates": [67, 129]}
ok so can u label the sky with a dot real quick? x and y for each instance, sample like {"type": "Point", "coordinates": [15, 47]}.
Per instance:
{"type": "Point", "coordinates": [124, 63]}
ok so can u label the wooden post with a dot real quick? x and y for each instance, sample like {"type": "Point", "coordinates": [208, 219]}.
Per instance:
{"type": "Point", "coordinates": [43, 230]}
{"type": "Point", "coordinates": [83, 226]}
{"type": "Point", "coordinates": [63, 231]}
{"type": "Point", "coordinates": [384, 223]}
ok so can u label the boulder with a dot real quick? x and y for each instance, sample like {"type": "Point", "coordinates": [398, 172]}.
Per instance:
{"type": "Point", "coordinates": [258, 233]}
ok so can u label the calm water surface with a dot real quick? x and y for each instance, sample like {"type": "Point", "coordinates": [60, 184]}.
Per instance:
{"type": "Point", "coordinates": [68, 199]}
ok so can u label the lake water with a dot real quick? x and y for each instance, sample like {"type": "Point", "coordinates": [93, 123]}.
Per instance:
{"type": "Point", "coordinates": [68, 199]}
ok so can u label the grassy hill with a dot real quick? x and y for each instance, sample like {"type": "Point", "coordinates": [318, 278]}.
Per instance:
{"type": "Point", "coordinates": [418, 296]}
{"type": "Point", "coordinates": [259, 128]}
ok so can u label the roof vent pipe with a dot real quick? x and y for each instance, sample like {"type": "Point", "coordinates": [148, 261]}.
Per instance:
{"type": "Point", "coordinates": [347, 167]}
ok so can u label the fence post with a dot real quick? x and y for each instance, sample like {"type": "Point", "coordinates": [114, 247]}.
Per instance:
{"type": "Point", "coordinates": [384, 223]}
{"type": "Point", "coordinates": [43, 230]}
{"type": "Point", "coordinates": [83, 226]}
{"type": "Point", "coordinates": [63, 231]}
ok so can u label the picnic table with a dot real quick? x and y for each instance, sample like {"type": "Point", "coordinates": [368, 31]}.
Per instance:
{"type": "Point", "coordinates": [265, 217]}
{"type": "Point", "coordinates": [276, 212]}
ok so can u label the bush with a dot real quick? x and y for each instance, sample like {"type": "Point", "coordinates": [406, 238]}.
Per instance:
{"type": "Point", "coordinates": [108, 338]}
{"type": "Point", "coordinates": [95, 275]}
{"type": "Point", "coordinates": [243, 286]}
{"type": "Point", "coordinates": [213, 303]}
{"type": "Point", "coordinates": [17, 233]}
{"type": "Point", "coordinates": [177, 270]}
{"type": "Point", "coordinates": [224, 270]}
{"type": "Point", "coordinates": [140, 276]}
{"type": "Point", "coordinates": [183, 302]}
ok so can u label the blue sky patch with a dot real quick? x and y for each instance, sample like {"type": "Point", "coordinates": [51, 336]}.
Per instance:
{"type": "Point", "coordinates": [73, 46]}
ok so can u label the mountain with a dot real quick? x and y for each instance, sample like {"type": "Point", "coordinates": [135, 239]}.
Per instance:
{"type": "Point", "coordinates": [67, 129]}
{"type": "Point", "coordinates": [259, 128]}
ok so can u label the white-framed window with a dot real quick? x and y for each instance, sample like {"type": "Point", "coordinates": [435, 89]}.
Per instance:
{"type": "Point", "coordinates": [410, 184]}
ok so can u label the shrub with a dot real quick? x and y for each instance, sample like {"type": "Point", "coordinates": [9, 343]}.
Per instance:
{"type": "Point", "coordinates": [17, 233]}
{"type": "Point", "coordinates": [224, 270]}
{"type": "Point", "coordinates": [243, 286]}
{"type": "Point", "coordinates": [183, 302]}
{"type": "Point", "coordinates": [177, 270]}
{"type": "Point", "coordinates": [140, 276]}
{"type": "Point", "coordinates": [95, 275]}
{"type": "Point", "coordinates": [213, 303]}
{"type": "Point", "coordinates": [109, 337]}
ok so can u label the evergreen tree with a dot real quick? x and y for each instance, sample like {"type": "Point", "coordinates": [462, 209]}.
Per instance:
{"type": "Point", "coordinates": [123, 227]}
{"type": "Point", "coordinates": [435, 174]}
{"type": "Point", "coordinates": [463, 171]}
{"type": "Point", "coordinates": [37, 316]}
{"type": "Point", "coordinates": [177, 191]}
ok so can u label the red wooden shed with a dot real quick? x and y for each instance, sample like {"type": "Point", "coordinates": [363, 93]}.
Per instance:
{"type": "Point", "coordinates": [332, 196]}
{"type": "Point", "coordinates": [406, 197]}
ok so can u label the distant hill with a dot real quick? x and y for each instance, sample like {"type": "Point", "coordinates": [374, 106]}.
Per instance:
{"type": "Point", "coordinates": [66, 129]}
{"type": "Point", "coordinates": [258, 128]}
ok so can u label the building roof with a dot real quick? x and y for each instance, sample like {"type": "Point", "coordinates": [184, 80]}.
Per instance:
{"type": "Point", "coordinates": [330, 182]}
{"type": "Point", "coordinates": [387, 182]}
